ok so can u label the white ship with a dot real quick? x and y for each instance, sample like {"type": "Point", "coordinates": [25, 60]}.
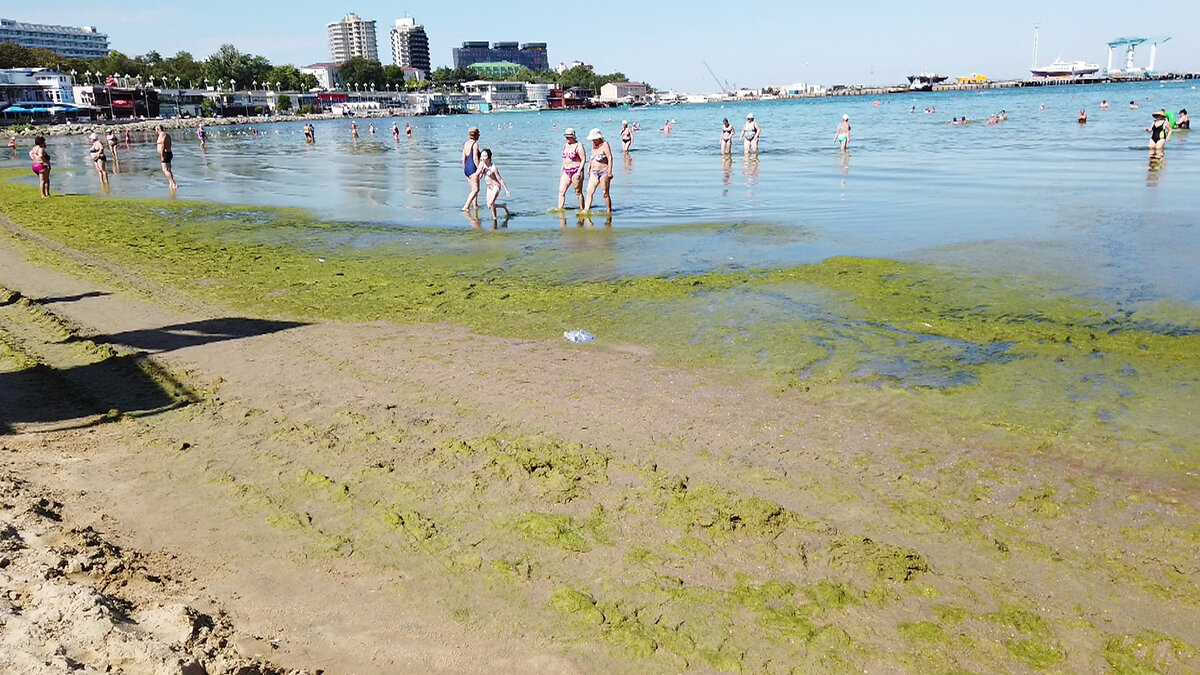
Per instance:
{"type": "Point", "coordinates": [1066, 69]}
{"type": "Point", "coordinates": [924, 81]}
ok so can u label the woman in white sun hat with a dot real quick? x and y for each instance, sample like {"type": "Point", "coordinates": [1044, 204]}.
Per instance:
{"type": "Point", "coordinates": [574, 156]}
{"type": "Point", "coordinates": [600, 170]}
{"type": "Point", "coordinates": [750, 133]}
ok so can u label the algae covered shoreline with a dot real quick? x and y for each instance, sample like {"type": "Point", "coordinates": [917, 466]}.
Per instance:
{"type": "Point", "coordinates": [993, 353]}
{"type": "Point", "coordinates": [853, 465]}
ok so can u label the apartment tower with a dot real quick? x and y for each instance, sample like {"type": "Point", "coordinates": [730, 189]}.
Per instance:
{"type": "Point", "coordinates": [350, 37]}
{"type": "Point", "coordinates": [410, 46]}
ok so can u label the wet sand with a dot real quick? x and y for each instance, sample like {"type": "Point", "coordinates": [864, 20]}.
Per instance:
{"type": "Point", "coordinates": [413, 496]}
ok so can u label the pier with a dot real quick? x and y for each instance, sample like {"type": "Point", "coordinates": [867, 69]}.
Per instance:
{"type": "Point", "coordinates": [1007, 84]}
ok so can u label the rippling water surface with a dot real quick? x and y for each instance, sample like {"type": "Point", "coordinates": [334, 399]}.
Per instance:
{"type": "Point", "coordinates": [1079, 205]}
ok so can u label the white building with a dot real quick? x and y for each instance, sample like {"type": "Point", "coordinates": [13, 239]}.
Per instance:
{"type": "Point", "coordinates": [328, 75]}
{"type": "Point", "coordinates": [410, 46]}
{"type": "Point", "coordinates": [75, 43]}
{"type": "Point", "coordinates": [495, 94]}
{"type": "Point", "coordinates": [616, 91]}
{"type": "Point", "coordinates": [538, 93]}
{"type": "Point", "coordinates": [350, 37]}
{"type": "Point", "coordinates": [563, 67]}
{"type": "Point", "coordinates": [35, 84]}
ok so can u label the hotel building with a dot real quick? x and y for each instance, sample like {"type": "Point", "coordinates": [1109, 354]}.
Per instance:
{"type": "Point", "coordinates": [532, 55]}
{"type": "Point", "coordinates": [74, 43]}
{"type": "Point", "coordinates": [351, 37]}
{"type": "Point", "coordinates": [410, 47]}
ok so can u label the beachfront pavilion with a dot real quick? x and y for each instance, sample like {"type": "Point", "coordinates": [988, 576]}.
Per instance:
{"type": "Point", "coordinates": [495, 70]}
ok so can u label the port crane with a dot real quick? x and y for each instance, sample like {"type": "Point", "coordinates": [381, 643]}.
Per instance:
{"type": "Point", "coordinates": [725, 91]}
{"type": "Point", "coordinates": [1131, 44]}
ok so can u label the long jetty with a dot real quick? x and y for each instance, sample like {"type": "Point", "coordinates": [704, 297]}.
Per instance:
{"type": "Point", "coordinates": [1006, 84]}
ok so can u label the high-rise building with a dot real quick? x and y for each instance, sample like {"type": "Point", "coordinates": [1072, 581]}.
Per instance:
{"type": "Point", "coordinates": [350, 37]}
{"type": "Point", "coordinates": [74, 43]}
{"type": "Point", "coordinates": [410, 46]}
{"type": "Point", "coordinates": [532, 55]}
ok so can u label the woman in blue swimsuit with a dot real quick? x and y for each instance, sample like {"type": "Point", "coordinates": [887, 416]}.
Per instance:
{"type": "Point", "coordinates": [470, 164]}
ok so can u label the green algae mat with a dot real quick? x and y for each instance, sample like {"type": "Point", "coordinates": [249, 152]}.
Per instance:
{"type": "Point", "coordinates": [670, 572]}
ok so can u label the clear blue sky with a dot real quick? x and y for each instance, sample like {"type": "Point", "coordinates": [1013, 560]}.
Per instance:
{"type": "Point", "coordinates": [665, 42]}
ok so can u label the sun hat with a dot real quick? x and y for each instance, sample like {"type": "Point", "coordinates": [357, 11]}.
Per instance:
{"type": "Point", "coordinates": [845, 117]}
{"type": "Point", "coordinates": [95, 137]}
{"type": "Point", "coordinates": [569, 132]}
{"type": "Point", "coordinates": [595, 135]}
{"type": "Point", "coordinates": [624, 122]}
{"type": "Point", "coordinates": [749, 116]}
{"type": "Point", "coordinates": [1160, 113]}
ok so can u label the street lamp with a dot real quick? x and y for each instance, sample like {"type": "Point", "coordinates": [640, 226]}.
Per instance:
{"type": "Point", "coordinates": [254, 85]}
{"type": "Point", "coordinates": [278, 85]}
{"type": "Point", "coordinates": [72, 76]}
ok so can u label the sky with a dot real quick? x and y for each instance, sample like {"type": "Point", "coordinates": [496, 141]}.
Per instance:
{"type": "Point", "coordinates": [666, 43]}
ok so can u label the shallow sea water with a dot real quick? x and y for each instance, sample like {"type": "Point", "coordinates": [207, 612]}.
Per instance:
{"type": "Point", "coordinates": [1078, 207]}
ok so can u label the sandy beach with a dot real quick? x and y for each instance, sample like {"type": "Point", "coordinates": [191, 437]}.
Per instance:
{"type": "Point", "coordinates": [219, 453]}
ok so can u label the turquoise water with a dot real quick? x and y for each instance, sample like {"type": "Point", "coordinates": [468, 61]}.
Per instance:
{"type": "Point", "coordinates": [1078, 206]}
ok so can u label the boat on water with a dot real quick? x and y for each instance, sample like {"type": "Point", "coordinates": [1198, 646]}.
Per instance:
{"type": "Point", "coordinates": [1066, 69]}
{"type": "Point", "coordinates": [973, 78]}
{"type": "Point", "coordinates": [924, 81]}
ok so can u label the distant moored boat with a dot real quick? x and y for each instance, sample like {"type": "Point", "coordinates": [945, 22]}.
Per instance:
{"type": "Point", "coordinates": [924, 81]}
{"type": "Point", "coordinates": [1066, 69]}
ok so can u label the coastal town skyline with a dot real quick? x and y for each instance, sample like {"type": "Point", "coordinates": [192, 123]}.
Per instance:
{"type": "Point", "coordinates": [878, 44]}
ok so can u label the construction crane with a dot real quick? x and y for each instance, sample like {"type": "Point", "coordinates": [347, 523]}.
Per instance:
{"type": "Point", "coordinates": [724, 87]}
{"type": "Point", "coordinates": [1131, 44]}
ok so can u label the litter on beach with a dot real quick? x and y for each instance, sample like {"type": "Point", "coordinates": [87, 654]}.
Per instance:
{"type": "Point", "coordinates": [579, 336]}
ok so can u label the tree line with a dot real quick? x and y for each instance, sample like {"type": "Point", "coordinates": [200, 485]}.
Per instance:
{"type": "Point", "coordinates": [225, 65]}
{"type": "Point", "coordinates": [228, 64]}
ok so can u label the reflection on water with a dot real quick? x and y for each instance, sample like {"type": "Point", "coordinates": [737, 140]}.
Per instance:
{"type": "Point", "coordinates": [922, 189]}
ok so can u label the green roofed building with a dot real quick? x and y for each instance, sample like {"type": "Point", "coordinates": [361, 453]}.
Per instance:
{"type": "Point", "coordinates": [496, 70]}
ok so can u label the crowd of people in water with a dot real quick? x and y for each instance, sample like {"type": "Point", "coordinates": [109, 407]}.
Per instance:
{"type": "Point", "coordinates": [585, 169]}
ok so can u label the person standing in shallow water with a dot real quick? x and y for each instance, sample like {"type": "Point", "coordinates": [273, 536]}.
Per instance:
{"type": "Point", "coordinates": [165, 156]}
{"type": "Point", "coordinates": [626, 137]}
{"type": "Point", "coordinates": [600, 170]}
{"type": "Point", "coordinates": [750, 133]}
{"type": "Point", "coordinates": [470, 165]}
{"type": "Point", "coordinates": [1160, 133]}
{"type": "Point", "coordinates": [41, 164]}
{"type": "Point", "coordinates": [99, 159]}
{"type": "Point", "coordinates": [573, 159]}
{"type": "Point", "coordinates": [726, 137]}
{"type": "Point", "coordinates": [842, 136]}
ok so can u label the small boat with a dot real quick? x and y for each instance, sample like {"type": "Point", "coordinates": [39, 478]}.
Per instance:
{"type": "Point", "coordinates": [924, 81]}
{"type": "Point", "coordinates": [1066, 69]}
{"type": "Point", "coordinates": [973, 78]}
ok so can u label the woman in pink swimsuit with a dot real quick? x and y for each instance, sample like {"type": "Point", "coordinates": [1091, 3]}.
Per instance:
{"type": "Point", "coordinates": [572, 169]}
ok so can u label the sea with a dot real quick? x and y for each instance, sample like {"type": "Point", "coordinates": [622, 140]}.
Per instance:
{"type": "Point", "coordinates": [1083, 207]}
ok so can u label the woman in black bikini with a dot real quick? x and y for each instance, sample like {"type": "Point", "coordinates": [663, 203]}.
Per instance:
{"type": "Point", "coordinates": [99, 159]}
{"type": "Point", "coordinates": [726, 137]}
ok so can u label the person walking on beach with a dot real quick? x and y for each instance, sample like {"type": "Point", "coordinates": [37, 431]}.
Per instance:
{"type": "Point", "coordinates": [600, 170]}
{"type": "Point", "coordinates": [573, 158]}
{"type": "Point", "coordinates": [165, 156]}
{"type": "Point", "coordinates": [99, 159]}
{"type": "Point", "coordinates": [750, 133]}
{"type": "Point", "coordinates": [41, 163]}
{"type": "Point", "coordinates": [842, 137]}
{"type": "Point", "coordinates": [726, 137]}
{"type": "Point", "coordinates": [470, 165]}
{"type": "Point", "coordinates": [1160, 133]}
{"type": "Point", "coordinates": [626, 137]}
{"type": "Point", "coordinates": [489, 173]}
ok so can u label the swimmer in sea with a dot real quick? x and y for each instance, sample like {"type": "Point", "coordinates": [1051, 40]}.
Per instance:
{"type": "Point", "coordinates": [395, 131]}
{"type": "Point", "coordinates": [750, 133]}
{"type": "Point", "coordinates": [1082, 119]}
{"type": "Point", "coordinates": [371, 128]}
{"type": "Point", "coordinates": [408, 129]}
{"type": "Point", "coordinates": [1182, 121]}
{"type": "Point", "coordinates": [1104, 104]}
{"type": "Point", "coordinates": [1133, 105]}
{"type": "Point", "coordinates": [470, 165]}
{"type": "Point", "coordinates": [842, 137]}
{"type": "Point", "coordinates": [626, 137]}
{"type": "Point", "coordinates": [726, 137]}
{"type": "Point", "coordinates": [491, 176]}
{"type": "Point", "coordinates": [1160, 133]}
{"type": "Point", "coordinates": [354, 129]}
{"type": "Point", "coordinates": [573, 156]}
{"type": "Point", "coordinates": [600, 170]}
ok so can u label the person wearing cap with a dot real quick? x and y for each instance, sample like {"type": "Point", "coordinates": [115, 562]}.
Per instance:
{"type": "Point", "coordinates": [470, 165]}
{"type": "Point", "coordinates": [750, 133]}
{"type": "Point", "coordinates": [842, 137]}
{"type": "Point", "coordinates": [99, 158]}
{"type": "Point", "coordinates": [1160, 132]}
{"type": "Point", "coordinates": [573, 158]}
{"type": "Point", "coordinates": [600, 170]}
{"type": "Point", "coordinates": [626, 137]}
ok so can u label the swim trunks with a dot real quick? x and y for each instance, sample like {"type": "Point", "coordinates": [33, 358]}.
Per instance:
{"type": "Point", "coordinates": [166, 156]}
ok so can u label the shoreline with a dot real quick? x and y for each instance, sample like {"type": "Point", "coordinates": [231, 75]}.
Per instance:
{"type": "Point", "coordinates": [627, 508]}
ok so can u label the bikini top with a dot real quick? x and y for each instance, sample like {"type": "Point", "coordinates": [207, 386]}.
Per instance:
{"type": "Point", "coordinates": [600, 157]}
{"type": "Point", "coordinates": [573, 155]}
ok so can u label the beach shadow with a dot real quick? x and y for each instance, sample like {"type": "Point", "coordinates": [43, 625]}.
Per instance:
{"type": "Point", "coordinates": [44, 398]}
{"type": "Point", "coordinates": [191, 334]}
{"type": "Point", "coordinates": [71, 298]}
